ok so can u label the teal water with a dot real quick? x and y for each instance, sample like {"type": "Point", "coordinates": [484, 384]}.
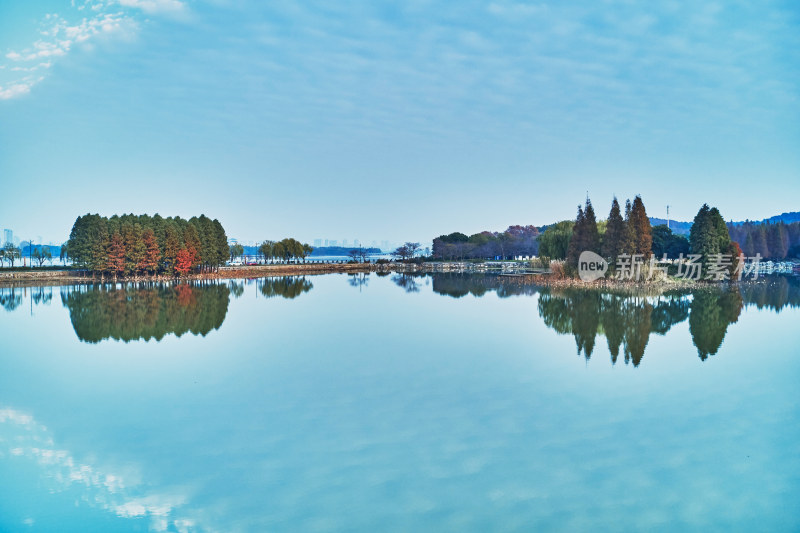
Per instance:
{"type": "Point", "coordinates": [398, 403]}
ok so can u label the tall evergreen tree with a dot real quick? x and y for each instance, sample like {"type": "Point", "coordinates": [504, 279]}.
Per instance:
{"type": "Point", "coordinates": [615, 229]}
{"type": "Point", "coordinates": [578, 239]}
{"type": "Point", "coordinates": [641, 223]}
{"type": "Point", "coordinates": [152, 257]}
{"type": "Point", "coordinates": [592, 237]}
{"type": "Point", "coordinates": [172, 246]}
{"type": "Point", "coordinates": [221, 243]}
{"type": "Point", "coordinates": [99, 241]}
{"type": "Point", "coordinates": [702, 239]}
{"type": "Point", "coordinates": [115, 262]}
{"type": "Point", "coordinates": [628, 242]}
{"type": "Point", "coordinates": [720, 229]}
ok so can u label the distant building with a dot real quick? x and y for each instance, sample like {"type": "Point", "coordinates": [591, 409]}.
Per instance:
{"type": "Point", "coordinates": [317, 243]}
{"type": "Point", "coordinates": [334, 242]}
{"type": "Point", "coordinates": [8, 236]}
{"type": "Point", "coordinates": [344, 242]}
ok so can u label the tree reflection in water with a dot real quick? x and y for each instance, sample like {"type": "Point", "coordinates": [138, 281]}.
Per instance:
{"type": "Point", "coordinates": [408, 281]}
{"type": "Point", "coordinates": [10, 298]}
{"type": "Point", "coordinates": [627, 319]}
{"type": "Point", "coordinates": [145, 311]}
{"type": "Point", "coordinates": [285, 286]}
{"type": "Point", "coordinates": [358, 280]}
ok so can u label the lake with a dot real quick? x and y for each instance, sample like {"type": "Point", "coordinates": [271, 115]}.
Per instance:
{"type": "Point", "coordinates": [361, 402]}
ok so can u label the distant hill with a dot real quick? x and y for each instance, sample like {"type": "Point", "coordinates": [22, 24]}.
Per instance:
{"type": "Point", "coordinates": [786, 218]}
{"type": "Point", "coordinates": [683, 228]}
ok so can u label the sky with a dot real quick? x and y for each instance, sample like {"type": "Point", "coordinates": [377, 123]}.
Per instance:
{"type": "Point", "coordinates": [394, 121]}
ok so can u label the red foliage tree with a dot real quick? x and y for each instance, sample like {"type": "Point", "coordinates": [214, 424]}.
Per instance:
{"type": "Point", "coordinates": [186, 260]}
{"type": "Point", "coordinates": [185, 295]}
{"type": "Point", "coordinates": [735, 252]}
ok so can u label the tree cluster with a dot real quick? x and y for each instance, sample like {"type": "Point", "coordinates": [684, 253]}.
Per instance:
{"type": "Point", "coordinates": [284, 250]}
{"type": "Point", "coordinates": [131, 245]}
{"type": "Point", "coordinates": [629, 235]}
{"type": "Point", "coordinates": [514, 241]}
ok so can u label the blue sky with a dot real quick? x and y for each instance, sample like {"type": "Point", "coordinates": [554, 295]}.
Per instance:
{"type": "Point", "coordinates": [399, 121]}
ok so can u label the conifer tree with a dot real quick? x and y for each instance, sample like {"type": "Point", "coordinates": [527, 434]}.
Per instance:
{"type": "Point", "coordinates": [615, 229]}
{"type": "Point", "coordinates": [643, 237]}
{"type": "Point", "coordinates": [628, 243]}
{"type": "Point", "coordinates": [116, 255]}
{"type": "Point", "coordinates": [171, 248]}
{"type": "Point", "coordinates": [151, 260]}
{"type": "Point", "coordinates": [578, 239]}
{"type": "Point", "coordinates": [591, 240]}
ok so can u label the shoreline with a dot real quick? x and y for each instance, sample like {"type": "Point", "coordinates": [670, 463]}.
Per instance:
{"type": "Point", "coordinates": [68, 277]}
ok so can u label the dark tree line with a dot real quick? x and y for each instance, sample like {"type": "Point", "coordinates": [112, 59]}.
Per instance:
{"type": "Point", "coordinates": [773, 241]}
{"type": "Point", "coordinates": [514, 241]}
{"type": "Point", "coordinates": [131, 245]}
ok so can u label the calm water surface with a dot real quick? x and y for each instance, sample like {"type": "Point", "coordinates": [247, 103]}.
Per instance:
{"type": "Point", "coordinates": [398, 403]}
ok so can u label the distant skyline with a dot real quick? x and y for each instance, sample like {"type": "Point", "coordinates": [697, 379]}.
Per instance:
{"type": "Point", "coordinates": [393, 122]}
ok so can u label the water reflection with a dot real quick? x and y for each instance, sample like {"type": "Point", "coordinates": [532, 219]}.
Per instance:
{"type": "Point", "coordinates": [459, 285]}
{"type": "Point", "coordinates": [22, 438]}
{"type": "Point", "coordinates": [358, 280]}
{"type": "Point", "coordinates": [627, 320]}
{"type": "Point", "coordinates": [408, 281]}
{"type": "Point", "coordinates": [10, 298]}
{"type": "Point", "coordinates": [285, 286]}
{"type": "Point", "coordinates": [145, 311]}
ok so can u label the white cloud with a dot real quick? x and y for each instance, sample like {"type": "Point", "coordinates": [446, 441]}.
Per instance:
{"type": "Point", "coordinates": [155, 6]}
{"type": "Point", "coordinates": [14, 90]}
{"type": "Point", "coordinates": [101, 489]}
{"type": "Point", "coordinates": [58, 38]}
{"type": "Point", "coordinates": [58, 35]}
